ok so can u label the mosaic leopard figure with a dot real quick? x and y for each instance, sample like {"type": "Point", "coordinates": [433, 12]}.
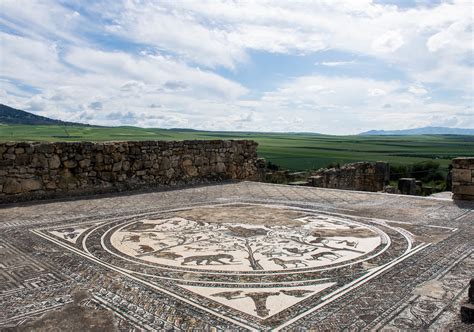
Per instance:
{"type": "Point", "coordinates": [208, 259]}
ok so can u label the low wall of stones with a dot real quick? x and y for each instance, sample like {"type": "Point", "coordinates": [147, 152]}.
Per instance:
{"type": "Point", "coordinates": [48, 170]}
{"type": "Point", "coordinates": [363, 176]}
{"type": "Point", "coordinates": [463, 178]}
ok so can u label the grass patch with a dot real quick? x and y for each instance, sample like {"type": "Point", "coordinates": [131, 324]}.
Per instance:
{"type": "Point", "coordinates": [288, 150]}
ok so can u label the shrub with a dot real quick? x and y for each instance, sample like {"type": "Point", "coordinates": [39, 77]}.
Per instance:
{"type": "Point", "coordinates": [427, 171]}
{"type": "Point", "coordinates": [273, 167]}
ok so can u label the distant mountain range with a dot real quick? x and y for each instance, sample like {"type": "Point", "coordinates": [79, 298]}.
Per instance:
{"type": "Point", "coordinates": [9, 115]}
{"type": "Point", "coordinates": [421, 131]}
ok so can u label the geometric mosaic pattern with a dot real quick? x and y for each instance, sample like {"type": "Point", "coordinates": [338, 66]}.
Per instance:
{"type": "Point", "coordinates": [246, 256]}
{"type": "Point", "coordinates": [18, 271]}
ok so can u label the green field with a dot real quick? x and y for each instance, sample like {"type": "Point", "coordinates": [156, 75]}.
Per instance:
{"type": "Point", "coordinates": [292, 151]}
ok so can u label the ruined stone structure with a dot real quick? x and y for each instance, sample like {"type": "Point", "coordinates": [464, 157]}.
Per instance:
{"type": "Point", "coordinates": [34, 170]}
{"type": "Point", "coordinates": [407, 186]}
{"type": "Point", "coordinates": [463, 178]}
{"type": "Point", "coordinates": [363, 176]}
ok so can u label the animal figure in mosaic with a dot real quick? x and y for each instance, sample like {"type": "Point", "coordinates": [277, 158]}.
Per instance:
{"type": "Point", "coordinates": [166, 255]}
{"type": "Point", "coordinates": [208, 259]}
{"type": "Point", "coordinates": [70, 235]}
{"type": "Point", "coordinates": [144, 249]}
{"type": "Point", "coordinates": [131, 238]}
{"type": "Point", "coordinates": [285, 263]}
{"type": "Point", "coordinates": [297, 251]}
{"type": "Point", "coordinates": [319, 240]}
{"type": "Point", "coordinates": [332, 256]}
{"type": "Point", "coordinates": [247, 232]}
{"type": "Point", "coordinates": [273, 253]}
{"type": "Point", "coordinates": [352, 244]}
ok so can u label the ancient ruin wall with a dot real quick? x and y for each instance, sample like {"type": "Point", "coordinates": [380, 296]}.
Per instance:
{"type": "Point", "coordinates": [463, 178]}
{"type": "Point", "coordinates": [34, 170]}
{"type": "Point", "coordinates": [363, 176]}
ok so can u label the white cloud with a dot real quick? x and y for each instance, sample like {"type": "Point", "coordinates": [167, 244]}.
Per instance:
{"type": "Point", "coordinates": [335, 63]}
{"type": "Point", "coordinates": [276, 39]}
{"type": "Point", "coordinates": [220, 33]}
{"type": "Point", "coordinates": [456, 38]}
{"type": "Point", "coordinates": [375, 92]}
{"type": "Point", "coordinates": [157, 72]}
{"type": "Point", "coordinates": [169, 75]}
{"type": "Point", "coordinates": [44, 20]}
{"type": "Point", "coordinates": [389, 42]}
{"type": "Point", "coordinates": [417, 90]}
{"type": "Point", "coordinates": [355, 105]}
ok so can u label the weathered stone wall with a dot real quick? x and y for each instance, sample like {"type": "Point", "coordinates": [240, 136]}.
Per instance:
{"type": "Point", "coordinates": [364, 176]}
{"type": "Point", "coordinates": [34, 170]}
{"type": "Point", "coordinates": [463, 178]}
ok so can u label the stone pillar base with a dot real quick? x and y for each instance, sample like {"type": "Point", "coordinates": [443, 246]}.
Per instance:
{"type": "Point", "coordinates": [463, 178]}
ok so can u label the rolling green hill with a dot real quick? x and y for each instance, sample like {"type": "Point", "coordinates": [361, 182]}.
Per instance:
{"type": "Point", "coordinates": [10, 115]}
{"type": "Point", "coordinates": [289, 150]}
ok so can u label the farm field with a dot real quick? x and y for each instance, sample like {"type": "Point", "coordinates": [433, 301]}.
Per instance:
{"type": "Point", "coordinates": [295, 151]}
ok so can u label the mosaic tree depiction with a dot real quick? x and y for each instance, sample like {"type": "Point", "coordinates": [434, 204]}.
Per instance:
{"type": "Point", "coordinates": [156, 237]}
{"type": "Point", "coordinates": [250, 240]}
{"type": "Point", "coordinates": [263, 247]}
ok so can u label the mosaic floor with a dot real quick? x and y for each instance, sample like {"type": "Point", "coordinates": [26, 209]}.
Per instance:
{"type": "Point", "coordinates": [238, 256]}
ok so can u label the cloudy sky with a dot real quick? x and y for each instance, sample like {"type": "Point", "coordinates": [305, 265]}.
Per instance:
{"type": "Point", "coordinates": [328, 66]}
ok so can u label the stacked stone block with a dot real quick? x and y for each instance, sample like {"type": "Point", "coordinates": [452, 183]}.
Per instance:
{"type": "Point", "coordinates": [363, 176]}
{"type": "Point", "coordinates": [407, 186]}
{"type": "Point", "coordinates": [37, 170]}
{"type": "Point", "coordinates": [463, 178]}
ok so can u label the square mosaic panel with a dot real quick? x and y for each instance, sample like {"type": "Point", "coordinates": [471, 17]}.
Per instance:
{"type": "Point", "coordinates": [255, 266]}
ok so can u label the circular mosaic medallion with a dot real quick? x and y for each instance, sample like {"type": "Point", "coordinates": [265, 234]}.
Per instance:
{"type": "Point", "coordinates": [251, 242]}
{"type": "Point", "coordinates": [239, 246]}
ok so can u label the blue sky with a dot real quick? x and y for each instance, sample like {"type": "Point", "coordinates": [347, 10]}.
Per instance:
{"type": "Point", "coordinates": [328, 66]}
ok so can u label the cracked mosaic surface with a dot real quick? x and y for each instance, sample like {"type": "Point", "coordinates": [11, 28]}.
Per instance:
{"type": "Point", "coordinates": [241, 256]}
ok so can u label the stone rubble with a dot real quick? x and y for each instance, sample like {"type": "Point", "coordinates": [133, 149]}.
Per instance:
{"type": "Point", "coordinates": [362, 176]}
